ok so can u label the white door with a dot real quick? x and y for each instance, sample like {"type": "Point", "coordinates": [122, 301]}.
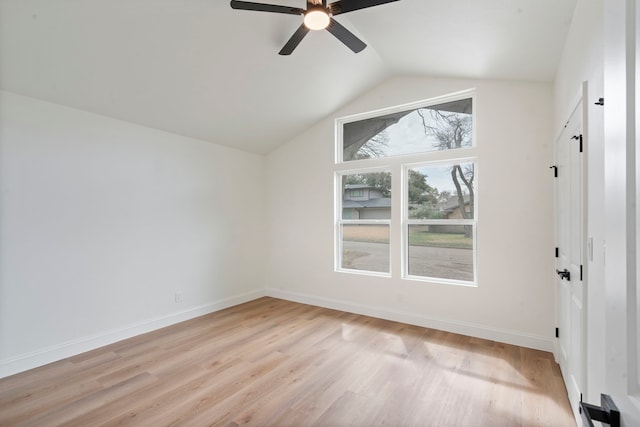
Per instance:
{"type": "Point", "coordinates": [570, 256]}
{"type": "Point", "coordinates": [622, 223]}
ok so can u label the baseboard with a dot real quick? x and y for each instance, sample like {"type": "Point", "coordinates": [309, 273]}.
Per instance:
{"type": "Point", "coordinates": [61, 351]}
{"type": "Point", "coordinates": [556, 350]}
{"type": "Point", "coordinates": [463, 328]}
{"type": "Point", "coordinates": [51, 354]}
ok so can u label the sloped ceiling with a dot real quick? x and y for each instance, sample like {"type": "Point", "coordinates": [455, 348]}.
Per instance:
{"type": "Point", "coordinates": [200, 69]}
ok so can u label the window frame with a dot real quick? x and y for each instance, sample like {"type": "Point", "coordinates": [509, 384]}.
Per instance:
{"type": "Point", "coordinates": [407, 222]}
{"type": "Point", "coordinates": [341, 121]}
{"type": "Point", "coordinates": [340, 221]}
{"type": "Point", "coordinates": [398, 165]}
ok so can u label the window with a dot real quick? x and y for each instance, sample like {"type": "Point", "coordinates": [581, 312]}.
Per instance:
{"type": "Point", "coordinates": [428, 150]}
{"type": "Point", "coordinates": [364, 222]}
{"type": "Point", "coordinates": [423, 129]}
{"type": "Point", "coordinates": [356, 194]}
{"type": "Point", "coordinates": [439, 221]}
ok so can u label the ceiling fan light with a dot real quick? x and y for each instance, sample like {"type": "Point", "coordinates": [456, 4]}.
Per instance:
{"type": "Point", "coordinates": [316, 19]}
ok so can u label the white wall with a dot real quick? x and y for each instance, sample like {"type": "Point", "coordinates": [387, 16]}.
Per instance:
{"type": "Point", "coordinates": [514, 300]}
{"type": "Point", "coordinates": [582, 61]}
{"type": "Point", "coordinates": [582, 58]}
{"type": "Point", "coordinates": [101, 221]}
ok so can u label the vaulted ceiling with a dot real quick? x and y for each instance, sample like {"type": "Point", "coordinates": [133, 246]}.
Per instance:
{"type": "Point", "coordinates": [201, 69]}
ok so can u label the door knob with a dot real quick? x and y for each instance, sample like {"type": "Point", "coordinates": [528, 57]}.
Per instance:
{"type": "Point", "coordinates": [564, 274]}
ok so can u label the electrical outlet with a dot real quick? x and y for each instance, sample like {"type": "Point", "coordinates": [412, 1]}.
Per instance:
{"type": "Point", "coordinates": [178, 297]}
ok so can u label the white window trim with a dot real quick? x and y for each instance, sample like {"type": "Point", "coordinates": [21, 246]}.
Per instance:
{"type": "Point", "coordinates": [406, 222]}
{"type": "Point", "coordinates": [397, 165]}
{"type": "Point", "coordinates": [341, 121]}
{"type": "Point", "coordinates": [339, 222]}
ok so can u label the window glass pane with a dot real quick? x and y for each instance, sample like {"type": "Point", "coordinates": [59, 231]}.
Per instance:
{"type": "Point", "coordinates": [438, 127]}
{"type": "Point", "coordinates": [441, 251]}
{"type": "Point", "coordinates": [366, 196]}
{"type": "Point", "coordinates": [441, 192]}
{"type": "Point", "coordinates": [365, 247]}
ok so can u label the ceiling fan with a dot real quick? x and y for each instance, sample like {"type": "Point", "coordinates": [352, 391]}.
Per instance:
{"type": "Point", "coordinates": [317, 16]}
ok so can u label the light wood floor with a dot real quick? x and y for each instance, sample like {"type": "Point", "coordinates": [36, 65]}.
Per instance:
{"type": "Point", "coordinates": [276, 363]}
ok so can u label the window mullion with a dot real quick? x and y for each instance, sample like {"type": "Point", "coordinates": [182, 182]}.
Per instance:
{"type": "Point", "coordinates": [406, 198]}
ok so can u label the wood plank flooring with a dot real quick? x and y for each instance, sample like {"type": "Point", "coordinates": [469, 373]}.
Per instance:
{"type": "Point", "coordinates": [271, 362]}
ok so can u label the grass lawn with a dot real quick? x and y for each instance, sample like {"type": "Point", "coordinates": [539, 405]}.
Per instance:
{"type": "Point", "coordinates": [441, 240]}
{"type": "Point", "coordinates": [380, 234]}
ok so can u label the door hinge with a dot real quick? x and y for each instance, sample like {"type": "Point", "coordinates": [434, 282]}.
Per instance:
{"type": "Point", "coordinates": [581, 272]}
{"type": "Point", "coordinates": [578, 138]}
{"type": "Point", "coordinates": [557, 332]}
{"type": "Point", "coordinates": [555, 170]}
{"type": "Point", "coordinates": [600, 101]}
{"type": "Point", "coordinates": [557, 252]}
{"type": "Point", "coordinates": [607, 413]}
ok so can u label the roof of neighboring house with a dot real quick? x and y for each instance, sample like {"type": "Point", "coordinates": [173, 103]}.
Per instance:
{"type": "Point", "coordinates": [383, 202]}
{"type": "Point", "coordinates": [356, 186]}
{"type": "Point", "coordinates": [452, 203]}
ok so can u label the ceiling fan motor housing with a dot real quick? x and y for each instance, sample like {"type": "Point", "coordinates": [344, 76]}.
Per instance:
{"type": "Point", "coordinates": [316, 18]}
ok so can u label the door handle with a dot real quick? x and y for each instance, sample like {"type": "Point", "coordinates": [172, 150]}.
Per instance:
{"type": "Point", "coordinates": [564, 274]}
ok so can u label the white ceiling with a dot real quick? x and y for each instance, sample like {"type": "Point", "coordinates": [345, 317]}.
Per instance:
{"type": "Point", "coordinates": [201, 69]}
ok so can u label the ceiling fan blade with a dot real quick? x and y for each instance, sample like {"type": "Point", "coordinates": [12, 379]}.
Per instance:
{"type": "Point", "coordinates": [295, 40]}
{"type": "Point", "coordinates": [344, 6]}
{"type": "Point", "coordinates": [262, 7]}
{"type": "Point", "coordinates": [346, 36]}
